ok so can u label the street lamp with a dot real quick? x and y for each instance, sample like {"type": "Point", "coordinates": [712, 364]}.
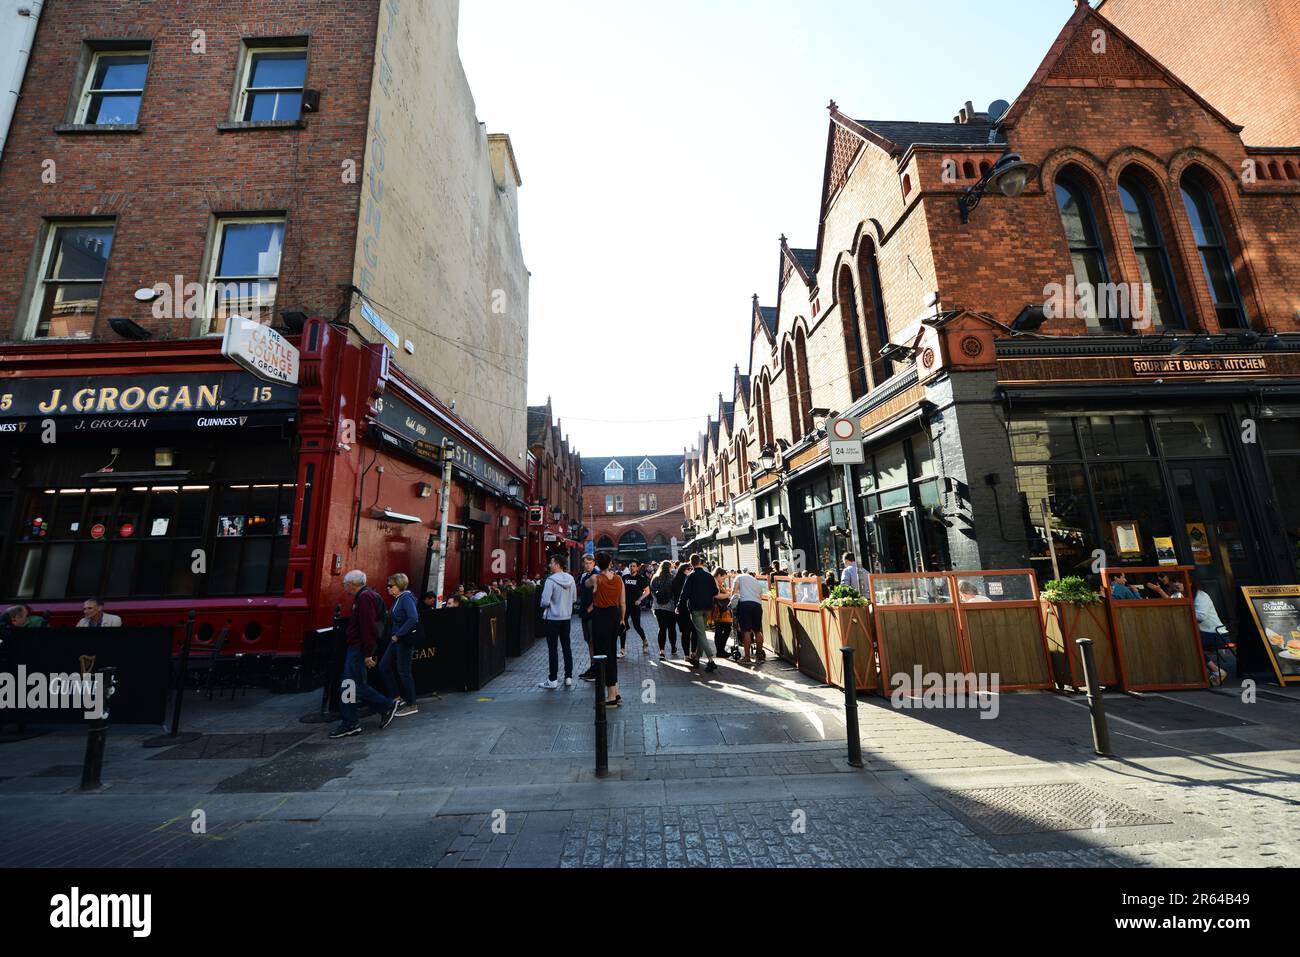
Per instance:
{"type": "Point", "coordinates": [767, 458]}
{"type": "Point", "coordinates": [1009, 176]}
{"type": "Point", "coordinates": [512, 488]}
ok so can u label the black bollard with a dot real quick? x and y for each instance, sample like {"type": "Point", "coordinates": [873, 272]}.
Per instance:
{"type": "Point", "coordinates": [602, 738]}
{"type": "Point", "coordinates": [333, 677]}
{"type": "Point", "coordinates": [1100, 730]}
{"type": "Point", "coordinates": [174, 736]}
{"type": "Point", "coordinates": [97, 735]}
{"type": "Point", "coordinates": [851, 709]}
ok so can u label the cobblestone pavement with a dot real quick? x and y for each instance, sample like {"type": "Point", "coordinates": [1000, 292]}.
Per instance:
{"type": "Point", "coordinates": [741, 767]}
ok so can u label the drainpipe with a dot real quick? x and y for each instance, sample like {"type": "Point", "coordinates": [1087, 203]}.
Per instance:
{"type": "Point", "coordinates": [23, 16]}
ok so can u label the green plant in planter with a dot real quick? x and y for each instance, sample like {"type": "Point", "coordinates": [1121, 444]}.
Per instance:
{"type": "Point", "coordinates": [1071, 590]}
{"type": "Point", "coordinates": [485, 600]}
{"type": "Point", "coordinates": [844, 596]}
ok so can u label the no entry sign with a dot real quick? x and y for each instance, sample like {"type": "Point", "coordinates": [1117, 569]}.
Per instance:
{"type": "Point", "coordinates": [846, 443]}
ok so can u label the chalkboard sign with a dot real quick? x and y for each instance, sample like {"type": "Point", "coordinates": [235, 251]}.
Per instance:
{"type": "Point", "coordinates": [1276, 610]}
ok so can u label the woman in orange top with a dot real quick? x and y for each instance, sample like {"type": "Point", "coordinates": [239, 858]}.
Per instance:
{"type": "Point", "coordinates": [607, 612]}
{"type": "Point", "coordinates": [720, 617]}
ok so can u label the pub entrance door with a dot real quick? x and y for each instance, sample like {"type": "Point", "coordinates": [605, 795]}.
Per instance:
{"type": "Point", "coordinates": [1215, 535]}
{"type": "Point", "coordinates": [894, 540]}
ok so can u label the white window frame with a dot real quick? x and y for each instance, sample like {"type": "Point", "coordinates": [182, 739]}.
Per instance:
{"type": "Point", "coordinates": [43, 276]}
{"type": "Point", "coordinates": [618, 503]}
{"type": "Point", "coordinates": [654, 502]}
{"type": "Point", "coordinates": [609, 505]}
{"type": "Point", "coordinates": [613, 471]}
{"type": "Point", "coordinates": [643, 501]}
{"type": "Point", "coordinates": [250, 49]}
{"type": "Point", "coordinates": [646, 471]}
{"type": "Point", "coordinates": [87, 89]}
{"type": "Point", "coordinates": [214, 258]}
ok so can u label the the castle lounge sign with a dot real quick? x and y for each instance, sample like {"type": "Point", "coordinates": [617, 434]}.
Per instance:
{"type": "Point", "coordinates": [1201, 366]}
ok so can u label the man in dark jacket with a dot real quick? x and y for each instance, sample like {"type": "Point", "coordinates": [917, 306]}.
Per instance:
{"type": "Point", "coordinates": [364, 626]}
{"type": "Point", "coordinates": [698, 592]}
{"type": "Point", "coordinates": [684, 626]}
{"type": "Point", "coordinates": [583, 608]}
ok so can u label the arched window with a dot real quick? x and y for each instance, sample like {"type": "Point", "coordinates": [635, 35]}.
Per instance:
{"type": "Point", "coordinates": [792, 394]}
{"type": "Point", "coordinates": [1289, 169]}
{"type": "Point", "coordinates": [968, 170]}
{"type": "Point", "coordinates": [1152, 255]}
{"type": "Point", "coordinates": [874, 303]}
{"type": "Point", "coordinates": [1085, 242]}
{"type": "Point", "coordinates": [605, 544]}
{"type": "Point", "coordinates": [852, 334]}
{"type": "Point", "coordinates": [984, 168]}
{"type": "Point", "coordinates": [1215, 259]}
{"type": "Point", "coordinates": [805, 389]}
{"type": "Point", "coordinates": [766, 435]}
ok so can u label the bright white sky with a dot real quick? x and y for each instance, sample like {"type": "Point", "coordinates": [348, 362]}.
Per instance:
{"type": "Point", "coordinates": [665, 145]}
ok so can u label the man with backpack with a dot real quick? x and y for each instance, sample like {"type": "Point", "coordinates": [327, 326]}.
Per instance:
{"type": "Point", "coordinates": [364, 627]}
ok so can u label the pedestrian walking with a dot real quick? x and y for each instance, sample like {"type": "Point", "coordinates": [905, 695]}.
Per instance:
{"type": "Point", "coordinates": [364, 625]}
{"type": "Point", "coordinates": [583, 607]}
{"type": "Point", "coordinates": [637, 585]}
{"type": "Point", "coordinates": [748, 591]}
{"type": "Point", "coordinates": [661, 589]}
{"type": "Point", "coordinates": [682, 609]}
{"type": "Point", "coordinates": [608, 600]}
{"type": "Point", "coordinates": [698, 593]}
{"type": "Point", "coordinates": [403, 633]}
{"type": "Point", "coordinates": [558, 596]}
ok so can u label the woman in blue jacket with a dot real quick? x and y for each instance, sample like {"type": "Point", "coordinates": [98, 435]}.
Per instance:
{"type": "Point", "coordinates": [395, 665]}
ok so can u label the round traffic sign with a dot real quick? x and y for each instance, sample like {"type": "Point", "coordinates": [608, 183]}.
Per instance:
{"type": "Point", "coordinates": [844, 429]}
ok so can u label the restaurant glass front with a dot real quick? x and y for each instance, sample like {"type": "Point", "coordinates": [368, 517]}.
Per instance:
{"type": "Point", "coordinates": [1166, 488]}
{"type": "Point", "coordinates": [900, 498]}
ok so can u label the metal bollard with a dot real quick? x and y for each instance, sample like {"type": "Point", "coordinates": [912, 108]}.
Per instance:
{"type": "Point", "coordinates": [333, 677]}
{"type": "Point", "coordinates": [602, 728]}
{"type": "Point", "coordinates": [97, 735]}
{"type": "Point", "coordinates": [1100, 730]}
{"type": "Point", "coordinates": [184, 666]}
{"type": "Point", "coordinates": [851, 709]}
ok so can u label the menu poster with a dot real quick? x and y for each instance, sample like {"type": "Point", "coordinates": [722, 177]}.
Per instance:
{"type": "Point", "coordinates": [1200, 542]}
{"type": "Point", "coordinates": [1127, 539]}
{"type": "Point", "coordinates": [1276, 610]}
{"type": "Point", "coordinates": [1165, 553]}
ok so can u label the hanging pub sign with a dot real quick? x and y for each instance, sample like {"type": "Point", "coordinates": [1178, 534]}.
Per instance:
{"type": "Point", "coordinates": [418, 434]}
{"type": "Point", "coordinates": [261, 350]}
{"type": "Point", "coordinates": [1276, 611]}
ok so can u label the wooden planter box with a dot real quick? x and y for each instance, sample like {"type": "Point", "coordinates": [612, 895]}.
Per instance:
{"type": "Point", "coordinates": [851, 628]}
{"type": "Point", "coordinates": [522, 616]}
{"type": "Point", "coordinates": [1065, 625]}
{"type": "Point", "coordinates": [463, 648]}
{"type": "Point", "coordinates": [1157, 643]}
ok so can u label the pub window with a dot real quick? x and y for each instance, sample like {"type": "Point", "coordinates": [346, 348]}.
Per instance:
{"type": "Point", "coordinates": [1152, 256]}
{"type": "Point", "coordinates": [1281, 443]}
{"type": "Point", "coordinates": [1114, 435]}
{"type": "Point", "coordinates": [271, 83]}
{"type": "Point", "coordinates": [140, 541]}
{"type": "Point", "coordinates": [1190, 435]}
{"type": "Point", "coordinates": [1086, 254]}
{"type": "Point", "coordinates": [1215, 260]}
{"type": "Point", "coordinates": [244, 271]}
{"type": "Point", "coordinates": [73, 262]}
{"type": "Point", "coordinates": [114, 87]}
{"type": "Point", "coordinates": [1038, 440]}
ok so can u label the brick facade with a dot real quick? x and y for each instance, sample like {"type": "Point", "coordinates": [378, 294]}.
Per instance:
{"type": "Point", "coordinates": [658, 526]}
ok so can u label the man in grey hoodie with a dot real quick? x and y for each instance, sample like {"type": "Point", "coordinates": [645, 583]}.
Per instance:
{"type": "Point", "coordinates": [558, 595]}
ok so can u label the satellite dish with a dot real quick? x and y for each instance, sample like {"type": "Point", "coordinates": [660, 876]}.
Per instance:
{"type": "Point", "coordinates": [998, 109]}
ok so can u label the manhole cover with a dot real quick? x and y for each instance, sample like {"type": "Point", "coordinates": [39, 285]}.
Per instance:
{"type": "Point", "coordinates": [212, 747]}
{"type": "Point", "coordinates": [1039, 808]}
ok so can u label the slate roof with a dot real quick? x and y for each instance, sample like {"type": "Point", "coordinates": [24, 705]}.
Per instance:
{"type": "Point", "coordinates": [667, 469]}
{"type": "Point", "coordinates": [807, 260]}
{"type": "Point", "coordinates": [905, 133]}
{"type": "Point", "coordinates": [768, 315]}
{"type": "Point", "coordinates": [537, 425]}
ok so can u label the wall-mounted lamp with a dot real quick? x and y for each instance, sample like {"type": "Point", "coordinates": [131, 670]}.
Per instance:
{"type": "Point", "coordinates": [893, 352]}
{"type": "Point", "coordinates": [424, 490]}
{"type": "Point", "coordinates": [294, 320]}
{"type": "Point", "coordinates": [127, 329]}
{"type": "Point", "coordinates": [164, 458]}
{"type": "Point", "coordinates": [1009, 176]}
{"type": "Point", "coordinates": [1030, 319]}
{"type": "Point", "coordinates": [512, 489]}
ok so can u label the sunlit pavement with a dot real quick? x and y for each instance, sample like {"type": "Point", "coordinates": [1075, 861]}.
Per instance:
{"type": "Point", "coordinates": [742, 767]}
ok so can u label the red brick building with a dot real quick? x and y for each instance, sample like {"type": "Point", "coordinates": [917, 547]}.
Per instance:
{"type": "Point", "coordinates": [1047, 360]}
{"type": "Point", "coordinates": [554, 493]}
{"type": "Point", "coordinates": [1242, 57]}
{"type": "Point", "coordinates": [169, 167]}
{"type": "Point", "coordinates": [633, 505]}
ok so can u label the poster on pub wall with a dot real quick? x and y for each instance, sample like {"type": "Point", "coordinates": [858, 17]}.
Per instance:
{"type": "Point", "coordinates": [1276, 610]}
